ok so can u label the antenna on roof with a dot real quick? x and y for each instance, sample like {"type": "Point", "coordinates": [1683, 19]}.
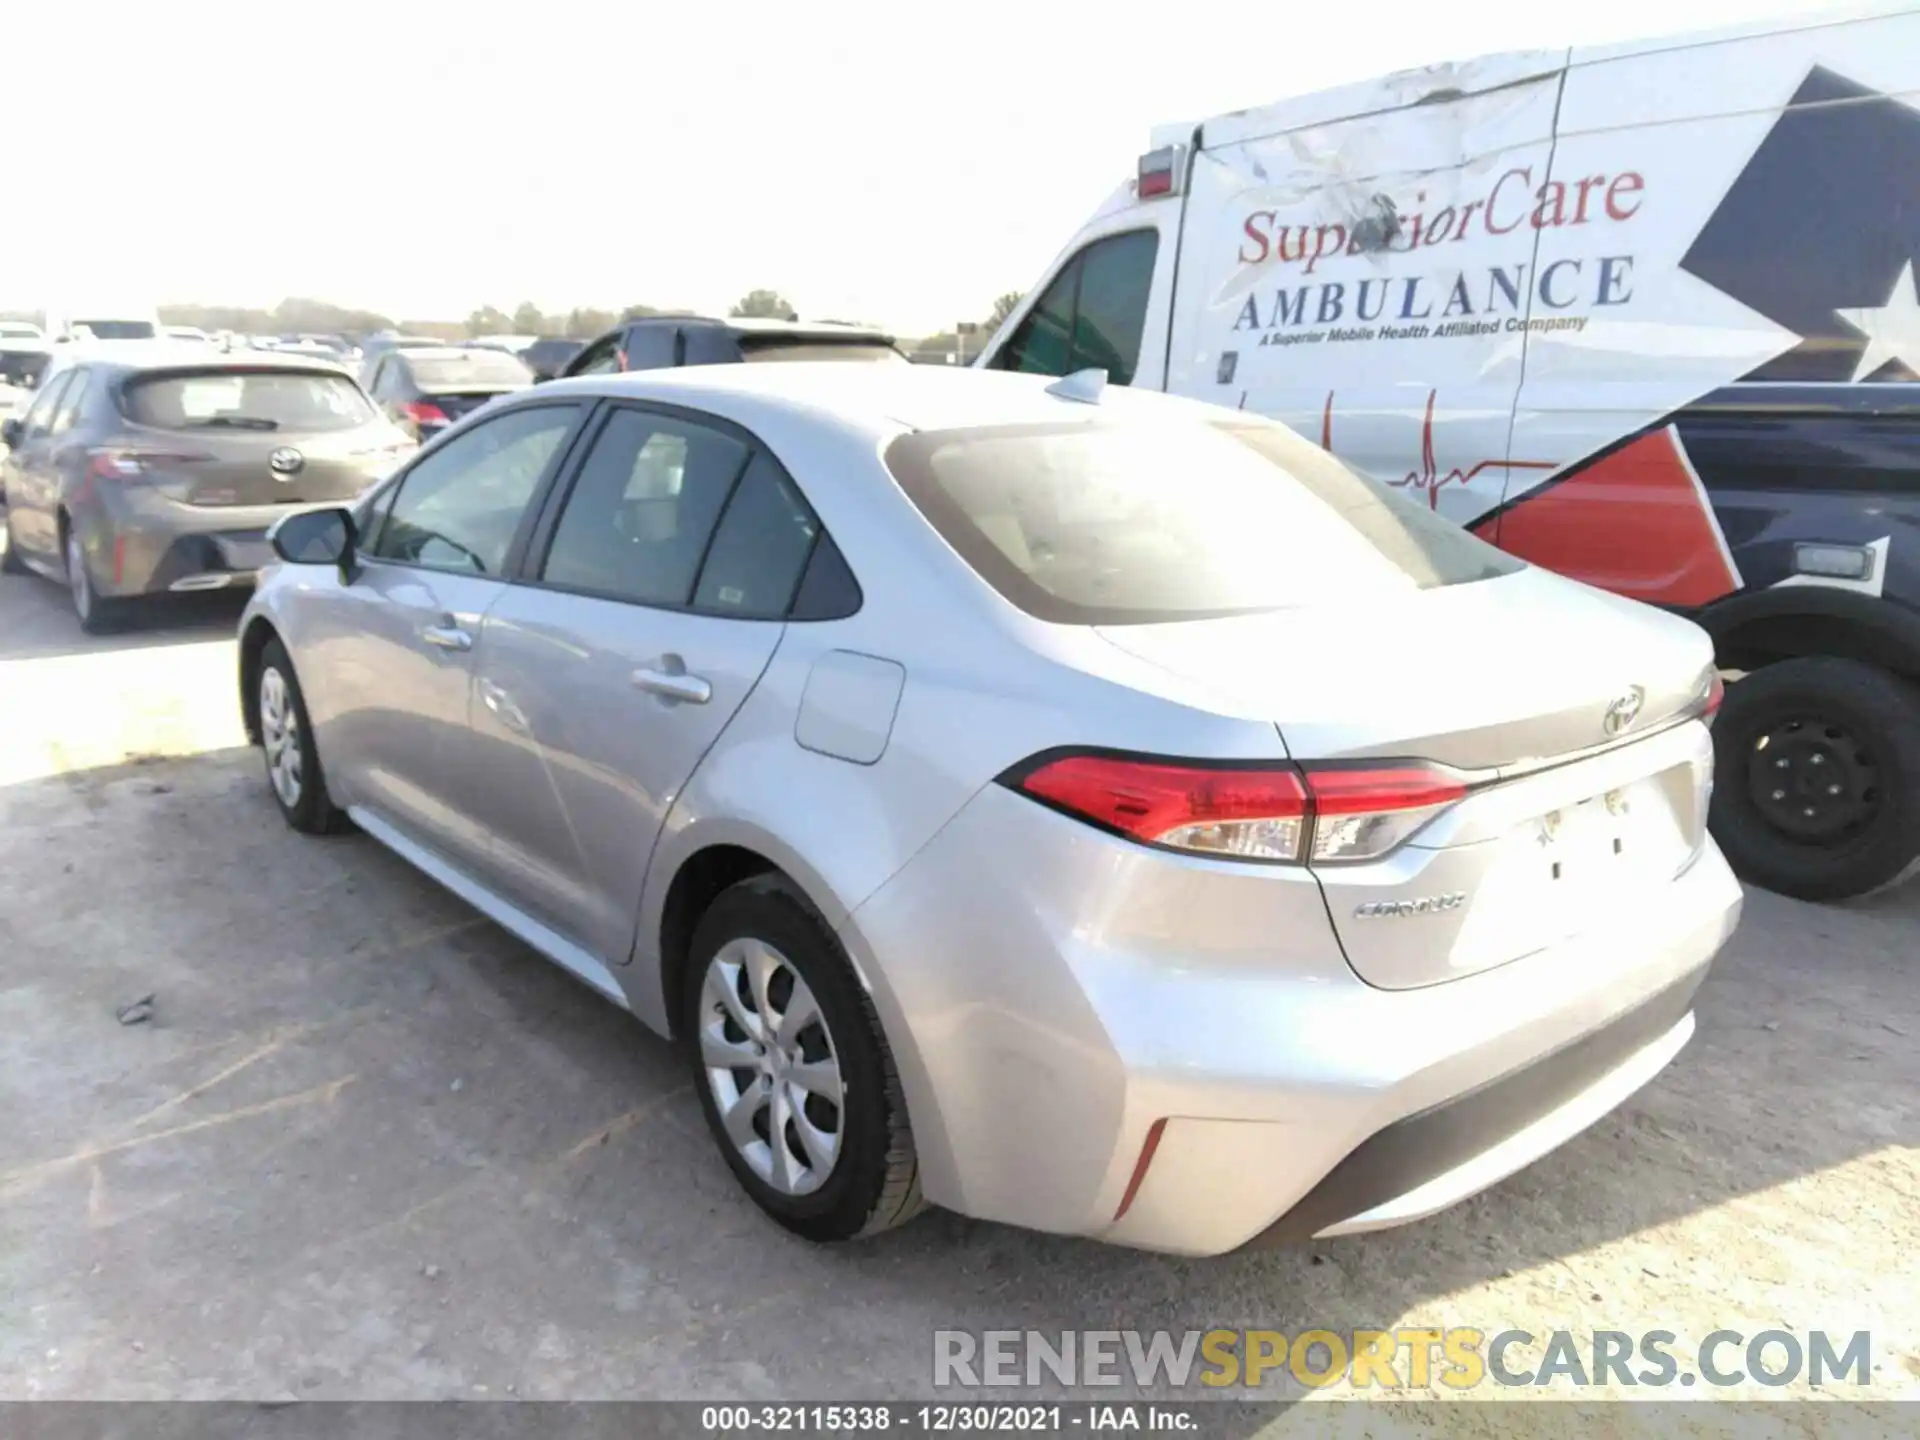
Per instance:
{"type": "Point", "coordinates": [1085, 387]}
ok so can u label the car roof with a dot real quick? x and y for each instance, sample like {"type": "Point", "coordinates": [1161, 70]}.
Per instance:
{"type": "Point", "coordinates": [879, 398]}
{"type": "Point", "coordinates": [444, 352]}
{"type": "Point", "coordinates": [782, 329]}
{"type": "Point", "coordinates": [136, 355]}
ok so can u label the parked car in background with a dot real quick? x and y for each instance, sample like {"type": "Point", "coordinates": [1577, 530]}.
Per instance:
{"type": "Point", "coordinates": [425, 390]}
{"type": "Point", "coordinates": [374, 346]}
{"type": "Point", "coordinates": [20, 330]}
{"type": "Point", "coordinates": [663, 341]}
{"type": "Point", "coordinates": [188, 334]}
{"type": "Point", "coordinates": [22, 360]}
{"type": "Point", "coordinates": [998, 824]}
{"type": "Point", "coordinates": [549, 355]}
{"type": "Point", "coordinates": [110, 325]}
{"type": "Point", "coordinates": [512, 344]}
{"type": "Point", "coordinates": [139, 470]}
{"type": "Point", "coordinates": [1548, 304]}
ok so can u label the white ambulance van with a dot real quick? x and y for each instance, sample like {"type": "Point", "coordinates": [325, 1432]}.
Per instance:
{"type": "Point", "coordinates": [1644, 314]}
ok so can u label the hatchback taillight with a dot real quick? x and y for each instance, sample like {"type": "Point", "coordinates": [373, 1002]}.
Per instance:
{"type": "Point", "coordinates": [1275, 814]}
{"type": "Point", "coordinates": [424, 412]}
{"type": "Point", "coordinates": [124, 465]}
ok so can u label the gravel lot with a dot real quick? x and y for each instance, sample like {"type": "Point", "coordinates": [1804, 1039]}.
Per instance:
{"type": "Point", "coordinates": [371, 1146]}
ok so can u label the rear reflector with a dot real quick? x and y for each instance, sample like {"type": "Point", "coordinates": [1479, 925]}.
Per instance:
{"type": "Point", "coordinates": [1716, 696]}
{"type": "Point", "coordinates": [1276, 814]}
{"type": "Point", "coordinates": [1154, 1132]}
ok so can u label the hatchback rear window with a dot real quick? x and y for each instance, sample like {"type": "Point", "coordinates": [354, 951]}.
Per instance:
{"type": "Point", "coordinates": [246, 400]}
{"type": "Point", "coordinates": [765, 350]}
{"type": "Point", "coordinates": [1135, 522]}
{"type": "Point", "coordinates": [470, 367]}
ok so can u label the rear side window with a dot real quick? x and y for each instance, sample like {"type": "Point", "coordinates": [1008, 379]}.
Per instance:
{"type": "Point", "coordinates": [760, 548]}
{"type": "Point", "coordinates": [70, 402]}
{"type": "Point", "coordinates": [1116, 523]}
{"type": "Point", "coordinates": [1092, 315]}
{"type": "Point", "coordinates": [246, 400]}
{"type": "Point", "coordinates": [639, 517]}
{"type": "Point", "coordinates": [650, 347]}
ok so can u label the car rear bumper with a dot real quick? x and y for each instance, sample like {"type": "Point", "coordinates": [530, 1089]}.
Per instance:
{"type": "Point", "coordinates": [1108, 995]}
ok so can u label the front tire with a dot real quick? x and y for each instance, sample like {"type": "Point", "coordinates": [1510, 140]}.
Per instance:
{"type": "Point", "coordinates": [1817, 777]}
{"type": "Point", "coordinates": [794, 1074]}
{"type": "Point", "coordinates": [294, 776]}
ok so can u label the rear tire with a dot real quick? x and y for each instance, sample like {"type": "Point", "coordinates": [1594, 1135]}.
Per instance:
{"type": "Point", "coordinates": [97, 615]}
{"type": "Point", "coordinates": [294, 777]}
{"type": "Point", "coordinates": [812, 1077]}
{"type": "Point", "coordinates": [10, 561]}
{"type": "Point", "coordinates": [1817, 777]}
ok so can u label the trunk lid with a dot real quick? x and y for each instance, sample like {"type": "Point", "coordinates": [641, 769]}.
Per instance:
{"type": "Point", "coordinates": [1509, 682]}
{"type": "Point", "coordinates": [220, 469]}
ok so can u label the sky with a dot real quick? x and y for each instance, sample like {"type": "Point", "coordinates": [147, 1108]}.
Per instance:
{"type": "Point", "coordinates": [900, 164]}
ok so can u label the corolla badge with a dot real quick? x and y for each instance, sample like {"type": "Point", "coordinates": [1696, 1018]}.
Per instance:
{"type": "Point", "coordinates": [1425, 905]}
{"type": "Point", "coordinates": [286, 462]}
{"type": "Point", "coordinates": [1624, 711]}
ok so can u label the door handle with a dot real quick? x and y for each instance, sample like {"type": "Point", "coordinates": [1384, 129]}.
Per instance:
{"type": "Point", "coordinates": [670, 681]}
{"type": "Point", "coordinates": [447, 637]}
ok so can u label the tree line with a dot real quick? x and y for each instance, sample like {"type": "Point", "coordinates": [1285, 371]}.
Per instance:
{"type": "Point", "coordinates": [297, 315]}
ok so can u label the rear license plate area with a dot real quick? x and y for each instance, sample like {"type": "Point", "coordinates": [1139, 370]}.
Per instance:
{"type": "Point", "coordinates": [1581, 865]}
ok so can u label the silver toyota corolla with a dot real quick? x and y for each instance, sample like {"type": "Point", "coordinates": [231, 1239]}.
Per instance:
{"type": "Point", "coordinates": [1077, 807]}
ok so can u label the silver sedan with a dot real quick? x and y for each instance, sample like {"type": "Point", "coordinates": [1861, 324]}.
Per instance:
{"type": "Point", "coordinates": [1077, 807]}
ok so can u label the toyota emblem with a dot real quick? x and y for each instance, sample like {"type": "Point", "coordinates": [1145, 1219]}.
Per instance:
{"type": "Point", "coordinates": [1624, 711]}
{"type": "Point", "coordinates": [286, 462]}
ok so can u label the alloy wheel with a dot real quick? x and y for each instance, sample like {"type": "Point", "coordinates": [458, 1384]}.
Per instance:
{"type": "Point", "coordinates": [772, 1065]}
{"type": "Point", "coordinates": [280, 734]}
{"type": "Point", "coordinates": [77, 580]}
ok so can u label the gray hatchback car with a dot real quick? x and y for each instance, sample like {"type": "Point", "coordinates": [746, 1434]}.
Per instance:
{"type": "Point", "coordinates": [140, 470]}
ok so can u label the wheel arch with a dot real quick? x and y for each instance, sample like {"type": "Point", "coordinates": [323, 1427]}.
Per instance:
{"type": "Point", "coordinates": [689, 871]}
{"type": "Point", "coordinates": [259, 632]}
{"type": "Point", "coordinates": [1761, 627]}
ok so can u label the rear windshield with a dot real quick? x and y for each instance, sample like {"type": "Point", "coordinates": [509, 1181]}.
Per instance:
{"type": "Point", "coordinates": [246, 400]}
{"type": "Point", "coordinates": [1136, 523]}
{"type": "Point", "coordinates": [119, 329]}
{"type": "Point", "coordinates": [758, 350]}
{"type": "Point", "coordinates": [469, 367]}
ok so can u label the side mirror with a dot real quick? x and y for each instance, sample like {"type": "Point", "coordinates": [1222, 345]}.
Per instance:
{"type": "Point", "coordinates": [10, 432]}
{"type": "Point", "coordinates": [315, 537]}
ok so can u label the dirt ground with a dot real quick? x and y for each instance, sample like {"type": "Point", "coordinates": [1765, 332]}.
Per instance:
{"type": "Point", "coordinates": [370, 1146]}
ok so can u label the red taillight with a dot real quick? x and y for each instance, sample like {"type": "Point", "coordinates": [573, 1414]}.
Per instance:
{"type": "Point", "coordinates": [125, 466]}
{"type": "Point", "coordinates": [1271, 813]}
{"type": "Point", "coordinates": [424, 412]}
{"type": "Point", "coordinates": [1252, 813]}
